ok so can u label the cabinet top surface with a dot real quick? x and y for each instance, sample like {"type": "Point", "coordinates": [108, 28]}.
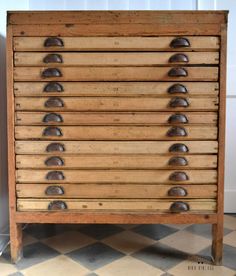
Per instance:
{"type": "Point", "coordinates": [116, 17]}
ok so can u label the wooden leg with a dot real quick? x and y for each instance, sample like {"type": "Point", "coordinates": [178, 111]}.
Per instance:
{"type": "Point", "coordinates": [217, 243]}
{"type": "Point", "coordinates": [16, 242]}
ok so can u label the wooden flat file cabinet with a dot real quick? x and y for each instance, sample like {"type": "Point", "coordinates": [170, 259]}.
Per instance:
{"type": "Point", "coordinates": [116, 117]}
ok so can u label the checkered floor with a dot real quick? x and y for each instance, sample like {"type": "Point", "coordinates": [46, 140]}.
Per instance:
{"type": "Point", "coordinates": [124, 250]}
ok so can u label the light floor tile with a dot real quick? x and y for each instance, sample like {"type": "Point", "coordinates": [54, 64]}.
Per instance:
{"type": "Point", "coordinates": [6, 268]}
{"type": "Point", "coordinates": [186, 242]}
{"type": "Point", "coordinates": [128, 266]}
{"type": "Point", "coordinates": [128, 242]}
{"type": "Point", "coordinates": [58, 266]}
{"type": "Point", "coordinates": [178, 226]}
{"type": "Point", "coordinates": [230, 239]}
{"type": "Point", "coordinates": [68, 241]}
{"type": "Point", "coordinates": [190, 268]}
{"type": "Point", "coordinates": [230, 222]}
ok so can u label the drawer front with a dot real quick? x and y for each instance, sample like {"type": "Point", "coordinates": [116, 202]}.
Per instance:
{"type": "Point", "coordinates": [111, 118]}
{"type": "Point", "coordinates": [45, 89]}
{"type": "Point", "coordinates": [116, 43]}
{"type": "Point", "coordinates": [115, 104]}
{"type": "Point", "coordinates": [117, 176]}
{"type": "Point", "coordinates": [118, 205]}
{"type": "Point", "coordinates": [114, 59]}
{"type": "Point", "coordinates": [116, 147]}
{"type": "Point", "coordinates": [116, 132]}
{"type": "Point", "coordinates": [116, 161]}
{"type": "Point", "coordinates": [200, 73]}
{"type": "Point", "coordinates": [115, 191]}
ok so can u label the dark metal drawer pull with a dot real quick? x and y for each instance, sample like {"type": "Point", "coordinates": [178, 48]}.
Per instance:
{"type": "Point", "coordinates": [178, 102]}
{"type": "Point", "coordinates": [178, 147]}
{"type": "Point", "coordinates": [53, 58]}
{"type": "Point", "coordinates": [51, 73]}
{"type": "Point", "coordinates": [178, 176]}
{"type": "Point", "coordinates": [177, 88]}
{"type": "Point", "coordinates": [52, 131]}
{"type": "Point", "coordinates": [176, 131]}
{"type": "Point", "coordinates": [52, 117]}
{"type": "Point", "coordinates": [54, 190]}
{"type": "Point", "coordinates": [55, 147]}
{"type": "Point", "coordinates": [179, 58]}
{"type": "Point", "coordinates": [178, 119]}
{"type": "Point", "coordinates": [177, 191]}
{"type": "Point", "coordinates": [180, 42]}
{"type": "Point", "coordinates": [53, 87]}
{"type": "Point", "coordinates": [53, 42]}
{"type": "Point", "coordinates": [54, 102]}
{"type": "Point", "coordinates": [178, 72]}
{"type": "Point", "coordinates": [179, 206]}
{"type": "Point", "coordinates": [57, 205]}
{"type": "Point", "coordinates": [55, 175]}
{"type": "Point", "coordinates": [54, 161]}
{"type": "Point", "coordinates": [178, 161]}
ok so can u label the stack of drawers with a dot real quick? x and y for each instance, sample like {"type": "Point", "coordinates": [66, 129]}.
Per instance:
{"type": "Point", "coordinates": [116, 123]}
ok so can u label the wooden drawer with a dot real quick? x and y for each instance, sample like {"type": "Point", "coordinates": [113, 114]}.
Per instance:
{"type": "Point", "coordinates": [117, 205]}
{"type": "Point", "coordinates": [125, 73]}
{"type": "Point", "coordinates": [116, 132]}
{"type": "Point", "coordinates": [115, 147]}
{"type": "Point", "coordinates": [117, 176]}
{"type": "Point", "coordinates": [117, 118]}
{"type": "Point", "coordinates": [116, 161]}
{"type": "Point", "coordinates": [198, 43]}
{"type": "Point", "coordinates": [114, 59]}
{"type": "Point", "coordinates": [115, 191]}
{"type": "Point", "coordinates": [115, 104]}
{"type": "Point", "coordinates": [45, 89]}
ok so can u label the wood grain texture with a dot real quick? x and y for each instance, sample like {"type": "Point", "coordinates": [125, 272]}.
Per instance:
{"type": "Point", "coordinates": [116, 205]}
{"type": "Point", "coordinates": [115, 133]}
{"type": "Point", "coordinates": [117, 89]}
{"type": "Point", "coordinates": [116, 74]}
{"type": "Point", "coordinates": [116, 176]}
{"type": "Point", "coordinates": [114, 191]}
{"type": "Point", "coordinates": [111, 118]}
{"type": "Point", "coordinates": [115, 104]}
{"type": "Point", "coordinates": [125, 161]}
{"type": "Point", "coordinates": [115, 147]}
{"type": "Point", "coordinates": [113, 59]}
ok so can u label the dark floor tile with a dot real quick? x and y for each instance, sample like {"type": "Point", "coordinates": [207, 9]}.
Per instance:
{"type": "Point", "coordinates": [18, 273]}
{"type": "Point", "coordinates": [95, 255]}
{"type": "Point", "coordinates": [100, 231]}
{"type": "Point", "coordinates": [161, 256]}
{"type": "Point", "coordinates": [33, 254]}
{"type": "Point", "coordinates": [154, 231]}
{"type": "Point", "coordinates": [42, 231]}
{"type": "Point", "coordinates": [229, 255]}
{"type": "Point", "coordinates": [204, 230]}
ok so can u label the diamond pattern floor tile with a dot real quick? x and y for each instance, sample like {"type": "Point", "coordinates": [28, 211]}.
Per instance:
{"type": "Point", "coordinates": [95, 255]}
{"type": "Point", "coordinates": [100, 231]}
{"type": "Point", "coordinates": [60, 265]}
{"type": "Point", "coordinates": [204, 230]}
{"type": "Point", "coordinates": [154, 231]}
{"type": "Point", "coordinates": [128, 242]}
{"type": "Point", "coordinates": [68, 241]}
{"type": "Point", "coordinates": [160, 256]}
{"type": "Point", "coordinates": [122, 249]}
{"type": "Point", "coordinates": [186, 241]}
{"type": "Point", "coordinates": [129, 266]}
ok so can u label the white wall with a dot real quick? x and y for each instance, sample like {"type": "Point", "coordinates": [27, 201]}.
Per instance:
{"type": "Point", "coordinates": [230, 186]}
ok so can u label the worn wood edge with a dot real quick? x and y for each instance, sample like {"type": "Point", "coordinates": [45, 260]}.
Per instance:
{"type": "Point", "coordinates": [112, 217]}
{"type": "Point", "coordinates": [15, 17]}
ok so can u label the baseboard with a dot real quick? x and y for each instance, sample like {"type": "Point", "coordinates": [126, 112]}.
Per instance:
{"type": "Point", "coordinates": [4, 239]}
{"type": "Point", "coordinates": [230, 201]}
